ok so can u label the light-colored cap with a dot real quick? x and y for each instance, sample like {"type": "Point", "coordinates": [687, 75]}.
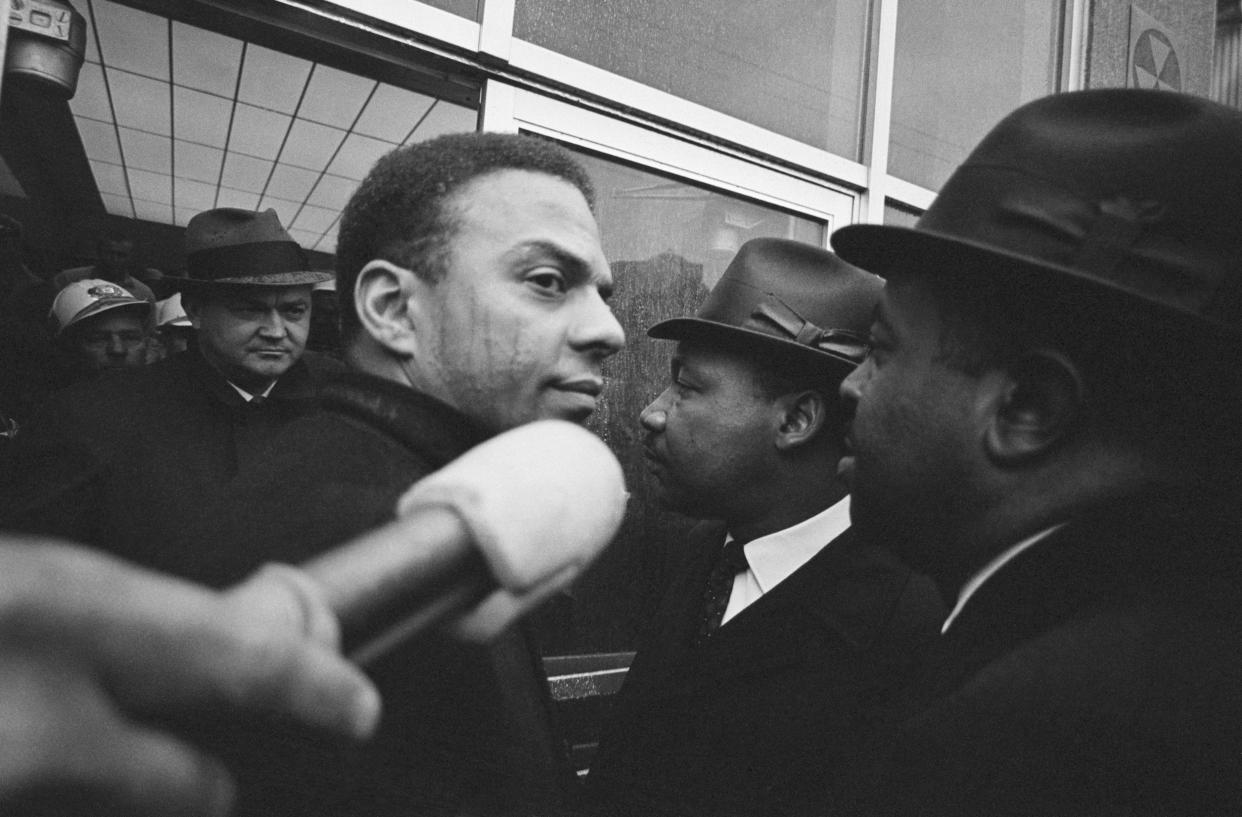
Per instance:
{"type": "Point", "coordinates": [91, 296]}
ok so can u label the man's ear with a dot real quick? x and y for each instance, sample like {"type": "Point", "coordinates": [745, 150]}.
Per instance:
{"type": "Point", "coordinates": [382, 299]}
{"type": "Point", "coordinates": [1039, 398]}
{"type": "Point", "coordinates": [804, 413]}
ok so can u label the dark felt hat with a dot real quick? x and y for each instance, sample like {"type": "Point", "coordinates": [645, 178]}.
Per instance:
{"type": "Point", "coordinates": [789, 299]}
{"type": "Point", "coordinates": [228, 246]}
{"type": "Point", "coordinates": [1136, 192]}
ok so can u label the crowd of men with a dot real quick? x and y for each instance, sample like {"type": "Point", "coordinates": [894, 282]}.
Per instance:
{"type": "Point", "coordinates": [969, 491]}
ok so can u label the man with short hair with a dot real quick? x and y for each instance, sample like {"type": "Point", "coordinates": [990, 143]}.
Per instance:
{"type": "Point", "coordinates": [1047, 424]}
{"type": "Point", "coordinates": [472, 290]}
{"type": "Point", "coordinates": [101, 326]}
{"type": "Point", "coordinates": [124, 462]}
{"type": "Point", "coordinates": [758, 680]}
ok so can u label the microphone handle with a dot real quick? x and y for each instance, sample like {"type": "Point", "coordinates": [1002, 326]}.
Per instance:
{"type": "Point", "coordinates": [400, 580]}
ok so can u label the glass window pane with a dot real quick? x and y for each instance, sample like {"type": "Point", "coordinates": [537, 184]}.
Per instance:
{"type": "Point", "coordinates": [899, 215]}
{"type": "Point", "coordinates": [667, 243]}
{"type": "Point", "coordinates": [470, 9]}
{"type": "Point", "coordinates": [794, 67]}
{"type": "Point", "coordinates": [960, 67]}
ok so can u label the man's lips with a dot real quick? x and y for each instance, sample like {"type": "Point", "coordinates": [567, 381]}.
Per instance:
{"type": "Point", "coordinates": [590, 386]}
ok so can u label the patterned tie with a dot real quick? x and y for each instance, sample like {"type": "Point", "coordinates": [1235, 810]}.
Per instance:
{"type": "Point", "coordinates": [732, 561]}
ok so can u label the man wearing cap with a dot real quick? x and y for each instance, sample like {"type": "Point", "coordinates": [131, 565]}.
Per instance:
{"type": "Point", "coordinates": [781, 631]}
{"type": "Point", "coordinates": [100, 326]}
{"type": "Point", "coordinates": [123, 463]}
{"type": "Point", "coordinates": [1047, 424]}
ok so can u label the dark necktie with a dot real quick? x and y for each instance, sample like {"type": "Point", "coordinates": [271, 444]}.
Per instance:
{"type": "Point", "coordinates": [732, 561]}
{"type": "Point", "coordinates": [257, 401]}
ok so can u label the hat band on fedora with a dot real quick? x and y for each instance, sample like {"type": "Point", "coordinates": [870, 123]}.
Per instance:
{"type": "Point", "coordinates": [772, 316]}
{"type": "Point", "coordinates": [246, 260]}
{"type": "Point", "coordinates": [1132, 243]}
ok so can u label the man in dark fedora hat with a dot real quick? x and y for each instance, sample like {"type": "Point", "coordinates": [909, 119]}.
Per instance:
{"type": "Point", "coordinates": [780, 631]}
{"type": "Point", "coordinates": [1047, 424]}
{"type": "Point", "coordinates": [125, 462]}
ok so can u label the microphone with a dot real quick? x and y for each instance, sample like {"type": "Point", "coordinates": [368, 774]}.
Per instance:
{"type": "Point", "coordinates": [475, 545]}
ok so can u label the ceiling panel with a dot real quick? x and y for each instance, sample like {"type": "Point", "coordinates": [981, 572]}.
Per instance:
{"type": "Point", "coordinates": [392, 113]}
{"type": "Point", "coordinates": [152, 211]}
{"type": "Point", "coordinates": [445, 117]}
{"type": "Point", "coordinates": [315, 219]}
{"type": "Point", "coordinates": [132, 40]}
{"type": "Point", "coordinates": [247, 173]}
{"type": "Point", "coordinates": [205, 60]}
{"type": "Point", "coordinates": [147, 186]}
{"type": "Point", "coordinates": [197, 162]}
{"type": "Point", "coordinates": [110, 178]}
{"type": "Point", "coordinates": [356, 156]}
{"type": "Point", "coordinates": [146, 151]}
{"type": "Point", "coordinates": [257, 131]}
{"type": "Point", "coordinates": [272, 80]}
{"type": "Point", "coordinates": [335, 97]}
{"type": "Point", "coordinates": [332, 192]}
{"type": "Point", "coordinates": [201, 117]}
{"type": "Point", "coordinates": [140, 102]}
{"type": "Point", "coordinates": [99, 139]}
{"type": "Point", "coordinates": [292, 183]}
{"type": "Point", "coordinates": [311, 145]}
{"type": "Point", "coordinates": [91, 99]}
{"type": "Point", "coordinates": [228, 197]}
{"type": "Point", "coordinates": [194, 196]}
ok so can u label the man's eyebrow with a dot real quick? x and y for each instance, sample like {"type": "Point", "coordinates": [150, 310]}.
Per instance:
{"type": "Point", "coordinates": [577, 268]}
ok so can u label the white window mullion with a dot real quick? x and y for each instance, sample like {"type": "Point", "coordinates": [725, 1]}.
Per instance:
{"type": "Point", "coordinates": [871, 203]}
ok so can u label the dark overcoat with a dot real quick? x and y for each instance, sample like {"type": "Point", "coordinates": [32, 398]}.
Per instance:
{"type": "Point", "coordinates": [1098, 673]}
{"type": "Point", "coordinates": [776, 700]}
{"type": "Point", "coordinates": [124, 461]}
{"type": "Point", "coordinates": [456, 736]}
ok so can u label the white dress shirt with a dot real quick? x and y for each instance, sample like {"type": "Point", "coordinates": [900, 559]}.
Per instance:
{"type": "Point", "coordinates": [773, 558]}
{"type": "Point", "coordinates": [989, 570]}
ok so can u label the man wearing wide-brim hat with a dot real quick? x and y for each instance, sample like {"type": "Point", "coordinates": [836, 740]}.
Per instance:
{"type": "Point", "coordinates": [126, 463]}
{"type": "Point", "coordinates": [779, 631]}
{"type": "Point", "coordinates": [1047, 424]}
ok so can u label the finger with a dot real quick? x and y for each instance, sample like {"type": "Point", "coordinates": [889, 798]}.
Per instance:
{"type": "Point", "coordinates": [163, 646]}
{"type": "Point", "coordinates": [287, 597]}
{"type": "Point", "coordinates": [68, 752]}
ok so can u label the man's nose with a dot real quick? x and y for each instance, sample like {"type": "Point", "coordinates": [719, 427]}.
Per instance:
{"type": "Point", "coordinates": [597, 328]}
{"type": "Point", "coordinates": [851, 386]}
{"type": "Point", "coordinates": [116, 346]}
{"type": "Point", "coordinates": [655, 415]}
{"type": "Point", "coordinates": [272, 325]}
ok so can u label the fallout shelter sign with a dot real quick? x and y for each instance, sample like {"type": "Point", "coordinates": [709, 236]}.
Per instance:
{"type": "Point", "coordinates": [1153, 54]}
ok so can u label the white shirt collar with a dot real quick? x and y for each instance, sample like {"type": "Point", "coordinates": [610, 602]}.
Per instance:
{"type": "Point", "coordinates": [247, 396]}
{"type": "Point", "coordinates": [989, 570]}
{"type": "Point", "coordinates": [775, 557]}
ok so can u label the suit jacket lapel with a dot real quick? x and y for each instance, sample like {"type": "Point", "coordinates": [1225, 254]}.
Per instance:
{"type": "Point", "coordinates": [845, 593]}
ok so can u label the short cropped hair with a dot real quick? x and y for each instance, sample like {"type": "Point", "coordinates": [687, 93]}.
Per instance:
{"type": "Point", "coordinates": [399, 213]}
{"type": "Point", "coordinates": [1148, 378]}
